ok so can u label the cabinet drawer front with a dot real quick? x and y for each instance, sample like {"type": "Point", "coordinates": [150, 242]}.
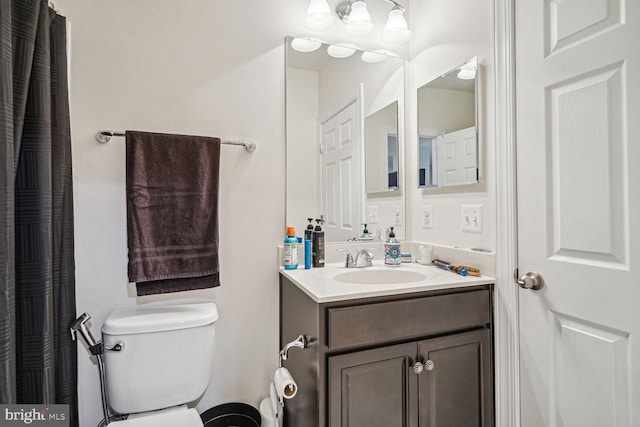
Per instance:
{"type": "Point", "coordinates": [386, 321]}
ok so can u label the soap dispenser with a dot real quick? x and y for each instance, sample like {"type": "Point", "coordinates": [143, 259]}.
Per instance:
{"type": "Point", "coordinates": [308, 232]}
{"type": "Point", "coordinates": [317, 245]}
{"type": "Point", "coordinates": [365, 234]}
{"type": "Point", "coordinates": [392, 250]}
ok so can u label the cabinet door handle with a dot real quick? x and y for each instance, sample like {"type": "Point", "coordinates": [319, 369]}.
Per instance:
{"type": "Point", "coordinates": [417, 368]}
{"type": "Point", "coordinates": [429, 365]}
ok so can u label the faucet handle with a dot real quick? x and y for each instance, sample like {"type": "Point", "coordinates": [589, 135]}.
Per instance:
{"type": "Point", "coordinates": [368, 256]}
{"type": "Point", "coordinates": [349, 260]}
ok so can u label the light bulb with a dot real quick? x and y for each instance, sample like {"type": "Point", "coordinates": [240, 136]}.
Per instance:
{"type": "Point", "coordinates": [466, 74]}
{"type": "Point", "coordinates": [468, 70]}
{"type": "Point", "coordinates": [319, 16]}
{"type": "Point", "coordinates": [374, 57]}
{"type": "Point", "coordinates": [341, 51]}
{"type": "Point", "coordinates": [359, 21]}
{"type": "Point", "coordinates": [305, 45]}
{"type": "Point", "coordinates": [396, 30]}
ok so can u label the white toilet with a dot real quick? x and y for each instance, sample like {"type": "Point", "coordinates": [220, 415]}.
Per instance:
{"type": "Point", "coordinates": [157, 359]}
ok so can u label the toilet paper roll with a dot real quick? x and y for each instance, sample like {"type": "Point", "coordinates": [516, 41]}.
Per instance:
{"type": "Point", "coordinates": [286, 387]}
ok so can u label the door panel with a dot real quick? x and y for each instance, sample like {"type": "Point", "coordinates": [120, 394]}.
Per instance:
{"type": "Point", "coordinates": [458, 390]}
{"type": "Point", "coordinates": [342, 178]}
{"type": "Point", "coordinates": [577, 113]}
{"type": "Point", "coordinates": [373, 388]}
{"type": "Point", "coordinates": [457, 157]}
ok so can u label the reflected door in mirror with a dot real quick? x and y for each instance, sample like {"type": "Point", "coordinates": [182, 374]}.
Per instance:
{"type": "Point", "coordinates": [341, 171]}
{"type": "Point", "coordinates": [447, 128]}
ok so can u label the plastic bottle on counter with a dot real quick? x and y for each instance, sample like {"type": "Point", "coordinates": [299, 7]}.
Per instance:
{"type": "Point", "coordinates": [290, 253]}
{"type": "Point", "coordinates": [318, 245]}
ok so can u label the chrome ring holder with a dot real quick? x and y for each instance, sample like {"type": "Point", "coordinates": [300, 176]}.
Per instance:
{"type": "Point", "coordinates": [300, 342]}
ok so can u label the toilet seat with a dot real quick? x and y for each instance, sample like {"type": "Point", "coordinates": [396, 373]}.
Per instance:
{"type": "Point", "coordinates": [179, 416]}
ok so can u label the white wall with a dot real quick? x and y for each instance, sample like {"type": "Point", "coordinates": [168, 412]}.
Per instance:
{"type": "Point", "coordinates": [197, 67]}
{"type": "Point", "coordinates": [435, 105]}
{"type": "Point", "coordinates": [446, 34]}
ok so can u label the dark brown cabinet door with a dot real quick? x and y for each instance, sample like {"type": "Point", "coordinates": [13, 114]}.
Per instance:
{"type": "Point", "coordinates": [457, 391]}
{"type": "Point", "coordinates": [373, 388]}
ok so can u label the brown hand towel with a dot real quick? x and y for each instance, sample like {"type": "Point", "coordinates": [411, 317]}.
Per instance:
{"type": "Point", "coordinates": [172, 211]}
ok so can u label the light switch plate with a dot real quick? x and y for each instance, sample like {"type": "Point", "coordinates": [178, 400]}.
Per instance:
{"type": "Point", "coordinates": [397, 214]}
{"type": "Point", "coordinates": [471, 218]}
{"type": "Point", "coordinates": [373, 215]}
{"type": "Point", "coordinates": [427, 216]}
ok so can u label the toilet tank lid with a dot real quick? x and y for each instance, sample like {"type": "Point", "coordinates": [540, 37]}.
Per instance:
{"type": "Point", "coordinates": [137, 320]}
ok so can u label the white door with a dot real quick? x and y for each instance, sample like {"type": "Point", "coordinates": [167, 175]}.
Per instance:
{"type": "Point", "coordinates": [342, 180]}
{"type": "Point", "coordinates": [457, 157]}
{"type": "Point", "coordinates": [578, 172]}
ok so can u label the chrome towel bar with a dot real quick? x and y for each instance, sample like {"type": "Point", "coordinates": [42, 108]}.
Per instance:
{"type": "Point", "coordinates": [105, 136]}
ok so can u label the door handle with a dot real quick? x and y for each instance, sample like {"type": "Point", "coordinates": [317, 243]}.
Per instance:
{"type": "Point", "coordinates": [531, 280]}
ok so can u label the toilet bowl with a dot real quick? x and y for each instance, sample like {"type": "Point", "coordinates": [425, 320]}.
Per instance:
{"type": "Point", "coordinates": [158, 359]}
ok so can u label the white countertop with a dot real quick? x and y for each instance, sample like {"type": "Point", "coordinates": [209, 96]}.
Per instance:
{"type": "Point", "coordinates": [322, 286]}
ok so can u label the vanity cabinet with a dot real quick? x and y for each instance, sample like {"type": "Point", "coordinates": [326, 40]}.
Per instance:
{"type": "Point", "coordinates": [380, 387]}
{"type": "Point", "coordinates": [420, 359]}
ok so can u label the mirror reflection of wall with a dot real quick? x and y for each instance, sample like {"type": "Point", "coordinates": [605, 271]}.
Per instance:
{"type": "Point", "coordinates": [382, 151]}
{"type": "Point", "coordinates": [319, 88]}
{"type": "Point", "coordinates": [447, 129]}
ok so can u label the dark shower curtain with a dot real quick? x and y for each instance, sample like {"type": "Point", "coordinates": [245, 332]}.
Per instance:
{"type": "Point", "coordinates": [37, 284]}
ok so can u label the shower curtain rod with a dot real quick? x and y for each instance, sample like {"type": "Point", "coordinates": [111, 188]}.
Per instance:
{"type": "Point", "coordinates": [105, 136]}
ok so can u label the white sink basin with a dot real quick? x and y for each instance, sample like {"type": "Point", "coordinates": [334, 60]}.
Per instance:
{"type": "Point", "coordinates": [379, 276]}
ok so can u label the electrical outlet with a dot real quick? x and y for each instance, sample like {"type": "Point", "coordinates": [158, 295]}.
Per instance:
{"type": "Point", "coordinates": [373, 215]}
{"type": "Point", "coordinates": [427, 216]}
{"type": "Point", "coordinates": [471, 218]}
{"type": "Point", "coordinates": [397, 213]}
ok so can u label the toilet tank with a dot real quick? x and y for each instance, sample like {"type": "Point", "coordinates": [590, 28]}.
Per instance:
{"type": "Point", "coordinates": [165, 356]}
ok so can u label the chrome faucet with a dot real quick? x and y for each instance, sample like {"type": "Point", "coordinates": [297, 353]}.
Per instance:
{"type": "Point", "coordinates": [365, 254]}
{"type": "Point", "coordinates": [368, 257]}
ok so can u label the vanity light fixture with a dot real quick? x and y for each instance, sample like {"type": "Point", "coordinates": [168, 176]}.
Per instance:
{"type": "Point", "coordinates": [396, 30]}
{"type": "Point", "coordinates": [341, 50]}
{"type": "Point", "coordinates": [319, 16]}
{"type": "Point", "coordinates": [358, 21]}
{"type": "Point", "coordinates": [468, 71]}
{"type": "Point", "coordinates": [305, 44]}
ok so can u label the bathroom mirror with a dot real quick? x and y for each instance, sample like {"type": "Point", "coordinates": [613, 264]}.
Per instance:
{"type": "Point", "coordinates": [448, 128]}
{"type": "Point", "coordinates": [382, 153]}
{"type": "Point", "coordinates": [330, 89]}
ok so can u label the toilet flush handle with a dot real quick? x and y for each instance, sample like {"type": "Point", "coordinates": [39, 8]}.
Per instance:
{"type": "Point", "coordinates": [118, 347]}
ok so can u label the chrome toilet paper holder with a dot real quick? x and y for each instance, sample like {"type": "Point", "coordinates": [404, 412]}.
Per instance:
{"type": "Point", "coordinates": [300, 342]}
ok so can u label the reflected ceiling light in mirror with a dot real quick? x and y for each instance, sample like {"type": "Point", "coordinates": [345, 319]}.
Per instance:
{"type": "Point", "coordinates": [468, 71]}
{"type": "Point", "coordinates": [319, 16]}
{"type": "Point", "coordinates": [375, 56]}
{"type": "Point", "coordinates": [356, 17]}
{"type": "Point", "coordinates": [396, 30]}
{"type": "Point", "coordinates": [341, 50]}
{"type": "Point", "coordinates": [305, 44]}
